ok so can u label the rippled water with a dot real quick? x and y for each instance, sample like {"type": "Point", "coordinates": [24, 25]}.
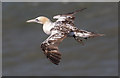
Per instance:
{"type": "Point", "coordinates": [22, 55]}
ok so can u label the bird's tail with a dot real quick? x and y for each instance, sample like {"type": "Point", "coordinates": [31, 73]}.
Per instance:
{"type": "Point", "coordinates": [82, 34]}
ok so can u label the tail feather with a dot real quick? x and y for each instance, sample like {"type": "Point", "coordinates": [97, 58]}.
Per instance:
{"type": "Point", "coordinates": [86, 34]}
{"type": "Point", "coordinates": [95, 35]}
{"type": "Point", "coordinates": [82, 34]}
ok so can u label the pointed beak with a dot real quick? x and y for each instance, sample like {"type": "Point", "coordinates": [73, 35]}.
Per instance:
{"type": "Point", "coordinates": [32, 20]}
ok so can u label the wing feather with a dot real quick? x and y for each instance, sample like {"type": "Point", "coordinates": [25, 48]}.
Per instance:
{"type": "Point", "coordinates": [68, 18]}
{"type": "Point", "coordinates": [50, 47]}
{"type": "Point", "coordinates": [63, 26]}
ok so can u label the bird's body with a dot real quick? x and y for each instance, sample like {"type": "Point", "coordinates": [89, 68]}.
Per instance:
{"type": "Point", "coordinates": [63, 27]}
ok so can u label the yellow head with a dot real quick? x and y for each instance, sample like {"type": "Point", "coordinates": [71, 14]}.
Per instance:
{"type": "Point", "coordinates": [40, 19]}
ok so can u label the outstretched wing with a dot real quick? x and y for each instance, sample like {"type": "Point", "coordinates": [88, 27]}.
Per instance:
{"type": "Point", "coordinates": [50, 46]}
{"type": "Point", "coordinates": [68, 18]}
{"type": "Point", "coordinates": [63, 26]}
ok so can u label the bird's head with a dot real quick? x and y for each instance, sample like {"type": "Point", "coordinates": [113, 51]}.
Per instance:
{"type": "Point", "coordinates": [40, 19]}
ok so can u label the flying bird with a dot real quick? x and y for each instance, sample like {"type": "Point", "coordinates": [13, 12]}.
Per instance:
{"type": "Point", "coordinates": [60, 29]}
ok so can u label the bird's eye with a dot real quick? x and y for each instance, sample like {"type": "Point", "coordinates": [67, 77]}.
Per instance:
{"type": "Point", "coordinates": [36, 19]}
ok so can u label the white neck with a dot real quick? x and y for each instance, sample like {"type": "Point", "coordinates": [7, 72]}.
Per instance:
{"type": "Point", "coordinates": [47, 27]}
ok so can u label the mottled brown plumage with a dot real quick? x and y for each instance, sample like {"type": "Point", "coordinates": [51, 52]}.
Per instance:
{"type": "Point", "coordinates": [60, 29]}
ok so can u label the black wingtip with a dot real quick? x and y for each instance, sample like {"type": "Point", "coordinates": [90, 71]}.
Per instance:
{"type": "Point", "coordinates": [54, 57]}
{"type": "Point", "coordinates": [79, 10]}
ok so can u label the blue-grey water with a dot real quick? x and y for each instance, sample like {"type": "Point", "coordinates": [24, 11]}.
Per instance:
{"type": "Point", "coordinates": [22, 55]}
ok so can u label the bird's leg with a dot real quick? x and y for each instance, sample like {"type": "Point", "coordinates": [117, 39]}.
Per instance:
{"type": "Point", "coordinates": [78, 39]}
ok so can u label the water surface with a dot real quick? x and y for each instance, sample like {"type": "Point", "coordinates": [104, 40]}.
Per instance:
{"type": "Point", "coordinates": [22, 55]}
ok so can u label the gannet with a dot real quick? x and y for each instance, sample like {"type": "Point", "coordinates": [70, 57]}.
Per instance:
{"type": "Point", "coordinates": [60, 29]}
